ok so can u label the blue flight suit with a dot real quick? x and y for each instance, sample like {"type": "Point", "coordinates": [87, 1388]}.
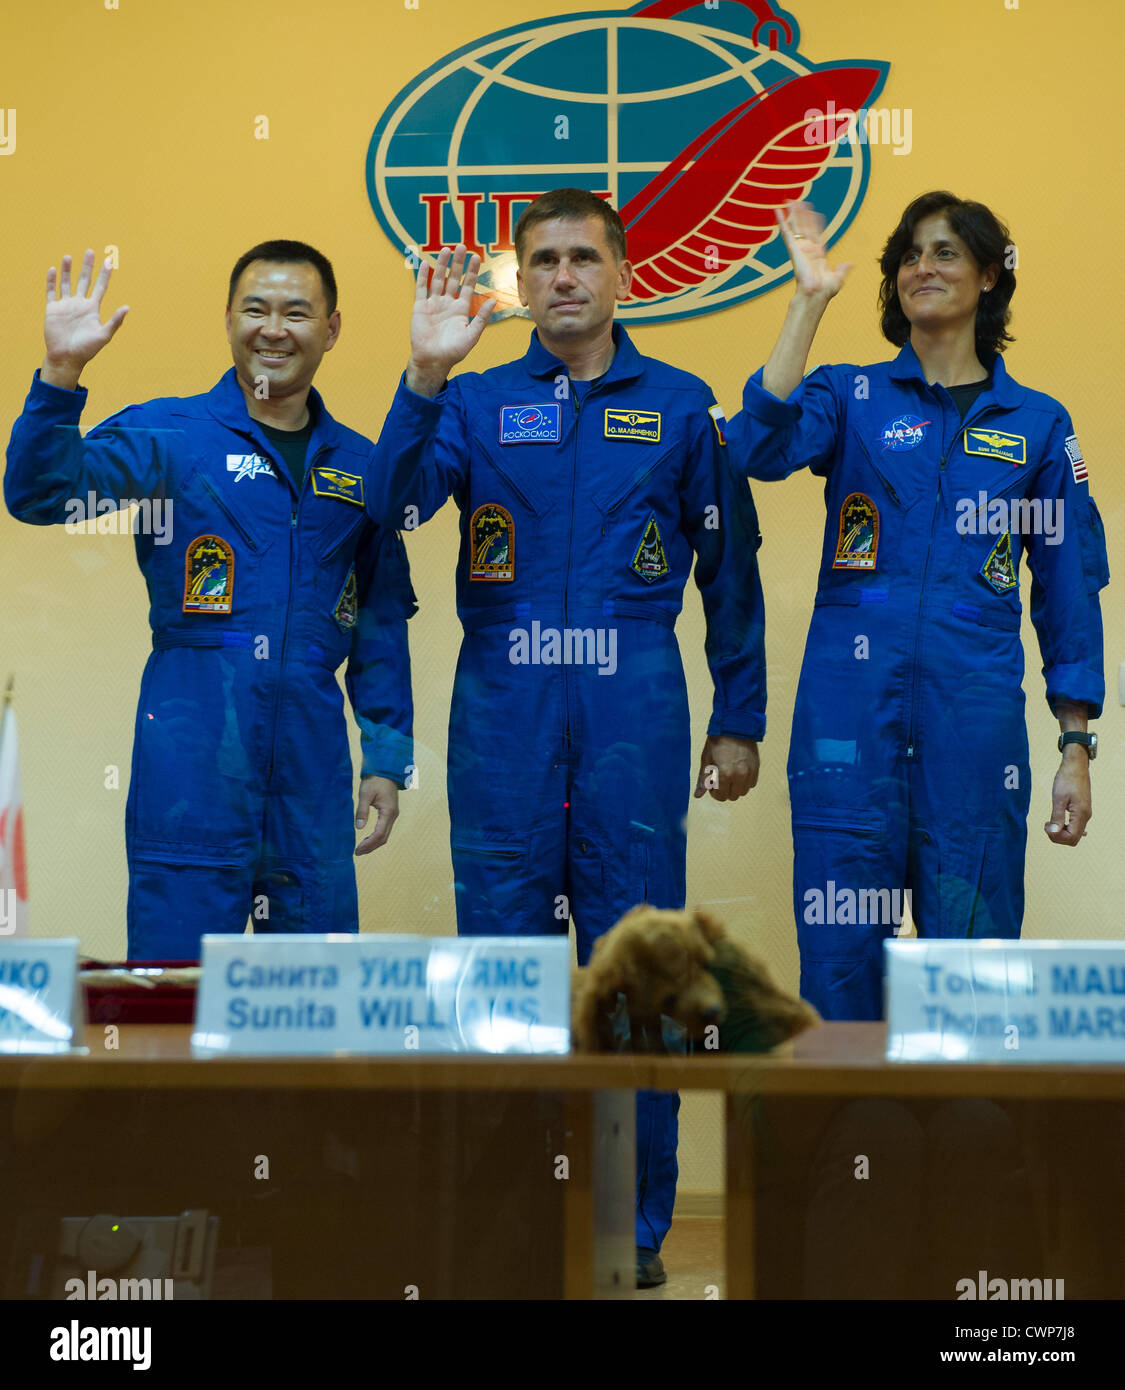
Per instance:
{"type": "Point", "coordinates": [240, 799]}
{"type": "Point", "coordinates": [569, 776]}
{"type": "Point", "coordinates": [908, 764]}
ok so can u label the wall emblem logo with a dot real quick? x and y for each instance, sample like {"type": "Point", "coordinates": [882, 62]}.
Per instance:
{"type": "Point", "coordinates": [695, 123]}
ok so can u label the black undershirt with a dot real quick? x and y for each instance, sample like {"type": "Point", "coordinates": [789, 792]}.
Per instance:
{"type": "Point", "coordinates": [964, 396]}
{"type": "Point", "coordinates": [292, 445]}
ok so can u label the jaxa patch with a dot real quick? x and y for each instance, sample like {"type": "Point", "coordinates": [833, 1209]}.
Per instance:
{"type": "Point", "coordinates": [347, 604]}
{"type": "Point", "coordinates": [1074, 455]}
{"type": "Point", "coordinates": [857, 545]}
{"type": "Point", "coordinates": [650, 562]}
{"type": "Point", "coordinates": [330, 482]}
{"type": "Point", "coordinates": [995, 444]}
{"type": "Point", "coordinates": [719, 420]}
{"type": "Point", "coordinates": [492, 536]}
{"type": "Point", "coordinates": [998, 570]}
{"type": "Point", "coordinates": [249, 466]}
{"type": "Point", "coordinates": [633, 424]}
{"type": "Point", "coordinates": [530, 424]}
{"type": "Point", "coordinates": [208, 576]}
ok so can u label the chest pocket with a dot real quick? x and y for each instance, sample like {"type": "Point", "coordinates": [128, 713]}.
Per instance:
{"type": "Point", "coordinates": [204, 493]}
{"type": "Point", "coordinates": [516, 467]}
{"type": "Point", "coordinates": [641, 468]}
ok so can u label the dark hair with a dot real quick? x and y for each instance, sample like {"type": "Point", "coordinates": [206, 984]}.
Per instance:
{"type": "Point", "coordinates": [287, 252]}
{"type": "Point", "coordinates": [988, 240]}
{"type": "Point", "coordinates": [573, 203]}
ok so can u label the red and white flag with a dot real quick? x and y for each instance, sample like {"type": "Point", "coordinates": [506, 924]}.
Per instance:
{"type": "Point", "coordinates": [13, 857]}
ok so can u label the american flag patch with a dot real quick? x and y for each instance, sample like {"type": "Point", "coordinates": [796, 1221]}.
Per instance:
{"type": "Point", "coordinates": [1074, 454]}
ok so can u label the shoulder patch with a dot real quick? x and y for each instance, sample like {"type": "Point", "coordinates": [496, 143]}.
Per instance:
{"type": "Point", "coordinates": [719, 420]}
{"type": "Point", "coordinates": [1074, 457]}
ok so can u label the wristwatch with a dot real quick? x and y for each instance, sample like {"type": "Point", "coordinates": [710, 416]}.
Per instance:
{"type": "Point", "coordinates": [1089, 740]}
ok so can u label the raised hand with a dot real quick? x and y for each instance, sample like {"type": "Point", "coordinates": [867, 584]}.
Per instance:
{"type": "Point", "coordinates": [443, 329]}
{"type": "Point", "coordinates": [802, 229]}
{"type": "Point", "coordinates": [72, 326]}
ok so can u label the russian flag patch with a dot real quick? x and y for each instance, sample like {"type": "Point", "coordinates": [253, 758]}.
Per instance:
{"type": "Point", "coordinates": [719, 420]}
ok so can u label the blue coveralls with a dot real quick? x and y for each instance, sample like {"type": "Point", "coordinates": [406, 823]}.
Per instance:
{"type": "Point", "coordinates": [569, 768]}
{"type": "Point", "coordinates": [240, 800]}
{"type": "Point", "coordinates": [908, 764]}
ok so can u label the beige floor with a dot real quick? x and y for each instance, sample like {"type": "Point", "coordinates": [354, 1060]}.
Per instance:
{"type": "Point", "coordinates": [693, 1257]}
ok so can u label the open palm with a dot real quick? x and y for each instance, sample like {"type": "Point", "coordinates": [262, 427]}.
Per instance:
{"type": "Point", "coordinates": [802, 229]}
{"type": "Point", "coordinates": [443, 328]}
{"type": "Point", "coordinates": [72, 327]}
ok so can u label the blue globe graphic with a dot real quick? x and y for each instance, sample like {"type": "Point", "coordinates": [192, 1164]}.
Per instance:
{"type": "Point", "coordinates": [603, 101]}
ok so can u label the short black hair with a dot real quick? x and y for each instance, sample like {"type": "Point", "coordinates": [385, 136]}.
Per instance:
{"type": "Point", "coordinates": [571, 203]}
{"type": "Point", "coordinates": [287, 252]}
{"type": "Point", "coordinates": [988, 240]}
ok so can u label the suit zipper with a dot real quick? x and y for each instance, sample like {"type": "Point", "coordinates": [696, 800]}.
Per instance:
{"type": "Point", "coordinates": [288, 604]}
{"type": "Point", "coordinates": [566, 584]}
{"type": "Point", "coordinates": [921, 600]}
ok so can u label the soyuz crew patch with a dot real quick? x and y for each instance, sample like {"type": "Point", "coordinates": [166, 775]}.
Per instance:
{"type": "Point", "coordinates": [208, 576]}
{"type": "Point", "coordinates": [530, 424]}
{"type": "Point", "coordinates": [650, 562]}
{"type": "Point", "coordinates": [857, 545]}
{"type": "Point", "coordinates": [330, 482]}
{"type": "Point", "coordinates": [903, 432]}
{"type": "Point", "coordinates": [492, 536]}
{"type": "Point", "coordinates": [633, 424]}
{"type": "Point", "coordinates": [998, 570]}
{"type": "Point", "coordinates": [347, 604]}
{"type": "Point", "coordinates": [996, 444]}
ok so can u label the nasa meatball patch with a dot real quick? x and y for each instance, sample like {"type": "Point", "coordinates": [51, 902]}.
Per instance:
{"type": "Point", "coordinates": [208, 576]}
{"type": "Point", "coordinates": [492, 538]}
{"type": "Point", "coordinates": [530, 424]}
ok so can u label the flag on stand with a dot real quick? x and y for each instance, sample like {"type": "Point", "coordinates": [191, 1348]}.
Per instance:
{"type": "Point", "coordinates": [13, 857]}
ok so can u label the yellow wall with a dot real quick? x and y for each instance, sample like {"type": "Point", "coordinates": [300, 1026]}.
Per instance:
{"type": "Point", "coordinates": [135, 127]}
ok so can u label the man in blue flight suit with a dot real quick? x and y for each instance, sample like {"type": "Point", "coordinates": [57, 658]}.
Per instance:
{"type": "Point", "coordinates": [588, 478]}
{"type": "Point", "coordinates": [908, 766]}
{"type": "Point", "coordinates": [266, 575]}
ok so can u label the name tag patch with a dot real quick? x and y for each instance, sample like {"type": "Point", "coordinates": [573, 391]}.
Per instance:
{"type": "Point", "coordinates": [633, 424]}
{"type": "Point", "coordinates": [492, 535]}
{"type": "Point", "coordinates": [330, 482]}
{"type": "Point", "coordinates": [530, 424]}
{"type": "Point", "coordinates": [995, 444]}
{"type": "Point", "coordinates": [857, 544]}
{"type": "Point", "coordinates": [208, 576]}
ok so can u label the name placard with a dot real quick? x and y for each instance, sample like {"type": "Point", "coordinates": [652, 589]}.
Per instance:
{"type": "Point", "coordinates": [38, 994]}
{"type": "Point", "coordinates": [382, 994]}
{"type": "Point", "coordinates": [1010, 1001]}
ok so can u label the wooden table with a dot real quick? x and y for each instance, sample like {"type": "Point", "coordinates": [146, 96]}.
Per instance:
{"type": "Point", "coordinates": [481, 1177]}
